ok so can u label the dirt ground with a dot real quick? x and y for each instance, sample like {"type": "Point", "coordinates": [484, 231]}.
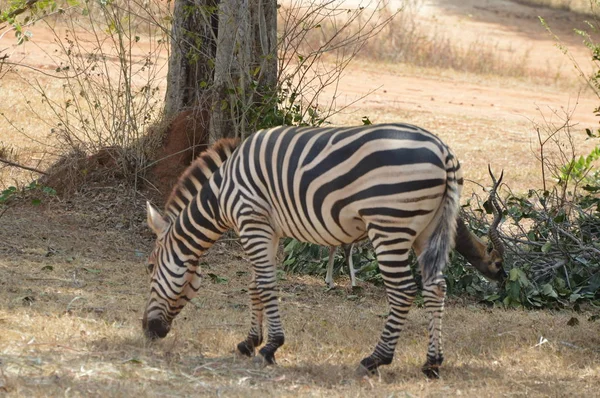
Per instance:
{"type": "Point", "coordinates": [73, 282]}
{"type": "Point", "coordinates": [73, 288]}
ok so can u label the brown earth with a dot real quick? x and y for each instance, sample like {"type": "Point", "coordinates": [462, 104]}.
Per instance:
{"type": "Point", "coordinates": [185, 137]}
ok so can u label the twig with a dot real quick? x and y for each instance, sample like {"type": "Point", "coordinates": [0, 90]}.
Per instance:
{"type": "Point", "coordinates": [567, 276]}
{"type": "Point", "coordinates": [4, 211]}
{"type": "Point", "coordinates": [570, 345]}
{"type": "Point", "coordinates": [20, 166]}
{"type": "Point", "coordinates": [48, 279]}
{"type": "Point", "coordinates": [21, 10]}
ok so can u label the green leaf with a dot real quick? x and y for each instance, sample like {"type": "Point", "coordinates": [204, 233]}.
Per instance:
{"type": "Point", "coordinates": [491, 297]}
{"type": "Point", "coordinates": [546, 247]}
{"type": "Point", "coordinates": [47, 268]}
{"type": "Point", "coordinates": [513, 275]}
{"type": "Point", "coordinates": [217, 279]}
{"type": "Point", "coordinates": [92, 271]}
{"type": "Point", "coordinates": [548, 290]}
{"type": "Point", "coordinates": [49, 190]}
{"type": "Point", "coordinates": [514, 292]}
{"type": "Point", "coordinates": [523, 280]}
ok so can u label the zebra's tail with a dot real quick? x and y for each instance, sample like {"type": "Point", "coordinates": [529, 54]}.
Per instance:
{"type": "Point", "coordinates": [435, 255]}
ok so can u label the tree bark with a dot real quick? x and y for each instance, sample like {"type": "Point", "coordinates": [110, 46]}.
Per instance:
{"type": "Point", "coordinates": [245, 66]}
{"type": "Point", "coordinates": [224, 58]}
{"type": "Point", "coordinates": [191, 62]}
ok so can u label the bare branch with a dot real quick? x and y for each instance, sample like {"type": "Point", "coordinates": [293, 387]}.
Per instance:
{"type": "Point", "coordinates": [20, 166]}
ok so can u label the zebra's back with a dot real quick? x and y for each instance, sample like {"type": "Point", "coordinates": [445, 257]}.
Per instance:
{"type": "Point", "coordinates": [325, 185]}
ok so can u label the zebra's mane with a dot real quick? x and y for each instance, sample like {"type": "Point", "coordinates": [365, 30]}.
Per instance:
{"type": "Point", "coordinates": [197, 173]}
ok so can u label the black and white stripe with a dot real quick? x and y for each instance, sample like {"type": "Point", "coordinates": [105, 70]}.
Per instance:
{"type": "Point", "coordinates": [396, 184]}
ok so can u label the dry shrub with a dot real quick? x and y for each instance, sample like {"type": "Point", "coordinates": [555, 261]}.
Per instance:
{"type": "Point", "coordinates": [407, 40]}
{"type": "Point", "coordinates": [318, 40]}
{"type": "Point", "coordinates": [404, 37]}
{"type": "Point", "coordinates": [110, 58]}
{"type": "Point", "coordinates": [77, 169]}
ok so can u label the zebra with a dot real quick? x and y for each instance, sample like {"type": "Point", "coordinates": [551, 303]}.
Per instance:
{"type": "Point", "coordinates": [348, 257]}
{"type": "Point", "coordinates": [488, 260]}
{"type": "Point", "coordinates": [397, 184]}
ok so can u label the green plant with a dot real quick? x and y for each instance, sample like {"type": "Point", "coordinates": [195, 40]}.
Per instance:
{"type": "Point", "coordinates": [33, 192]}
{"type": "Point", "coordinates": [311, 259]}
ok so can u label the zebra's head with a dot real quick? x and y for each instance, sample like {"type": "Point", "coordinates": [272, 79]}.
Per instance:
{"type": "Point", "coordinates": [175, 277]}
{"type": "Point", "coordinates": [487, 259]}
{"type": "Point", "coordinates": [495, 254]}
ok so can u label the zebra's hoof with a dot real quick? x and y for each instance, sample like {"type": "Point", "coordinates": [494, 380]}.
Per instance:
{"type": "Point", "coordinates": [267, 356]}
{"type": "Point", "coordinates": [431, 371]}
{"type": "Point", "coordinates": [367, 367]}
{"type": "Point", "coordinates": [245, 349]}
{"type": "Point", "coordinates": [261, 362]}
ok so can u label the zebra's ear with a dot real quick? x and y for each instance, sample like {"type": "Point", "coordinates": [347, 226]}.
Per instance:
{"type": "Point", "coordinates": [156, 222]}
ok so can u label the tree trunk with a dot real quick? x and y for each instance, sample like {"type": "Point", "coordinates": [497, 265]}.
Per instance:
{"type": "Point", "coordinates": [193, 48]}
{"type": "Point", "coordinates": [224, 58]}
{"type": "Point", "coordinates": [245, 66]}
{"type": "Point", "coordinates": [264, 49]}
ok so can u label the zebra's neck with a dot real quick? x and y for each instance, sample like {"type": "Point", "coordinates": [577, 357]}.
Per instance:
{"type": "Point", "coordinates": [197, 174]}
{"type": "Point", "coordinates": [199, 224]}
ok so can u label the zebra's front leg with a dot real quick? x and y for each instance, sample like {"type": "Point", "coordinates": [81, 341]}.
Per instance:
{"type": "Point", "coordinates": [275, 335]}
{"type": "Point", "coordinates": [401, 290]}
{"type": "Point", "coordinates": [434, 294]}
{"type": "Point", "coordinates": [261, 248]}
{"type": "Point", "coordinates": [255, 336]}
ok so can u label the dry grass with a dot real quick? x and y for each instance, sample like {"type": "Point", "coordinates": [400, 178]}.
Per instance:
{"type": "Point", "coordinates": [75, 287]}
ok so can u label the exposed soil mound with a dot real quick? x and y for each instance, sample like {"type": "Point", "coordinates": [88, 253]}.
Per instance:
{"type": "Point", "coordinates": [185, 137]}
{"type": "Point", "coordinates": [77, 169]}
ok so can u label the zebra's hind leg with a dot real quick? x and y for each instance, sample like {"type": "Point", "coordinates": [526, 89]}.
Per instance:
{"type": "Point", "coordinates": [348, 256]}
{"type": "Point", "coordinates": [329, 276]}
{"type": "Point", "coordinates": [261, 248]}
{"type": "Point", "coordinates": [434, 293]}
{"type": "Point", "coordinates": [432, 259]}
{"type": "Point", "coordinates": [392, 255]}
{"type": "Point", "coordinates": [255, 336]}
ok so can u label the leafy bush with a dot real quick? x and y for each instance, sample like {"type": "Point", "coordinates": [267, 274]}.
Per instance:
{"type": "Point", "coordinates": [307, 258]}
{"type": "Point", "coordinates": [556, 247]}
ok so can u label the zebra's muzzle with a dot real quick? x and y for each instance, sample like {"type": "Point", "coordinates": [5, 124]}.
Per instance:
{"type": "Point", "coordinates": [155, 328]}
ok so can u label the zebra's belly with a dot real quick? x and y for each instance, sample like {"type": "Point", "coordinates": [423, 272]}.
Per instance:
{"type": "Point", "coordinates": [326, 231]}
{"type": "Point", "coordinates": [325, 226]}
